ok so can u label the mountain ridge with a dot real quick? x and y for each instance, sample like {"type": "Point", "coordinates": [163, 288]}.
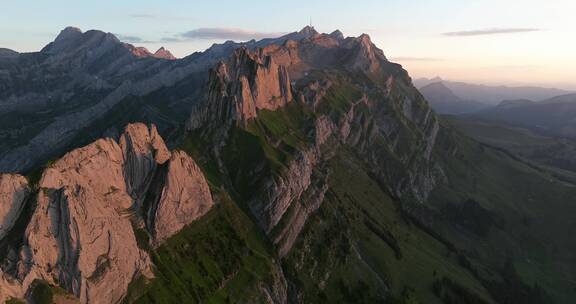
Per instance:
{"type": "Point", "coordinates": [491, 94]}
{"type": "Point", "coordinates": [444, 101]}
{"type": "Point", "coordinates": [302, 171]}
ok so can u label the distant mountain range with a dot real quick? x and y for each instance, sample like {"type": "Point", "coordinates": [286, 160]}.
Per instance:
{"type": "Point", "coordinates": [444, 101]}
{"type": "Point", "coordinates": [86, 84]}
{"type": "Point", "coordinates": [492, 95]}
{"type": "Point", "coordinates": [554, 116]}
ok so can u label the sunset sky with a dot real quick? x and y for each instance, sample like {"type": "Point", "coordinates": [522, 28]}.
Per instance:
{"type": "Point", "coordinates": [512, 42]}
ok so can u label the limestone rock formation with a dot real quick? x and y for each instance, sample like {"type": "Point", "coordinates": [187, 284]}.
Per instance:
{"type": "Point", "coordinates": [185, 197]}
{"type": "Point", "coordinates": [143, 52]}
{"type": "Point", "coordinates": [83, 82]}
{"type": "Point", "coordinates": [82, 215]}
{"type": "Point", "coordinates": [164, 54]}
{"type": "Point", "coordinates": [143, 151]}
{"type": "Point", "coordinates": [383, 114]}
{"type": "Point", "coordinates": [14, 191]}
{"type": "Point", "coordinates": [81, 234]}
{"type": "Point", "coordinates": [78, 84]}
{"type": "Point", "coordinates": [248, 82]}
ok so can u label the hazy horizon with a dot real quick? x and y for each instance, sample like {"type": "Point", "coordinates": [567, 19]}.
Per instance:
{"type": "Point", "coordinates": [522, 43]}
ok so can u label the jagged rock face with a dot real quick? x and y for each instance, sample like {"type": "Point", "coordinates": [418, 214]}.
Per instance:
{"type": "Point", "coordinates": [281, 191]}
{"type": "Point", "coordinates": [365, 55]}
{"type": "Point", "coordinates": [143, 52]}
{"type": "Point", "coordinates": [308, 202]}
{"type": "Point", "coordinates": [77, 84]}
{"type": "Point", "coordinates": [9, 287]}
{"type": "Point", "coordinates": [81, 234]}
{"type": "Point", "coordinates": [143, 151]}
{"type": "Point", "coordinates": [394, 132]}
{"type": "Point", "coordinates": [96, 257]}
{"type": "Point", "coordinates": [185, 197]}
{"type": "Point", "coordinates": [14, 191]}
{"type": "Point", "coordinates": [164, 54]}
{"type": "Point", "coordinates": [248, 82]}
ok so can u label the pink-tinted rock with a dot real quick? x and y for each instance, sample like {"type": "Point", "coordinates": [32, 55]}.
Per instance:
{"type": "Point", "coordinates": [14, 191]}
{"type": "Point", "coordinates": [185, 197]}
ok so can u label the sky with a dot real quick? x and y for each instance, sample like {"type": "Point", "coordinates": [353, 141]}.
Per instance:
{"type": "Point", "coordinates": [508, 42]}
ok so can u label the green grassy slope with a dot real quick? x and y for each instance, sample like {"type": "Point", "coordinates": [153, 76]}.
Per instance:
{"type": "Point", "coordinates": [359, 248]}
{"type": "Point", "coordinates": [220, 258]}
{"type": "Point", "coordinates": [511, 219]}
{"type": "Point", "coordinates": [553, 153]}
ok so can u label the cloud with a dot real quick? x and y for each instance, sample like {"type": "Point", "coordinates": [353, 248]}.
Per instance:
{"type": "Point", "coordinates": [145, 16]}
{"type": "Point", "coordinates": [131, 39]}
{"type": "Point", "coordinates": [170, 39]}
{"type": "Point", "coordinates": [490, 31]}
{"type": "Point", "coordinates": [226, 34]}
{"type": "Point", "coordinates": [408, 58]}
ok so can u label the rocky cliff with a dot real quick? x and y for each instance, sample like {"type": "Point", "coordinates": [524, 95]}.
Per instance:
{"type": "Point", "coordinates": [85, 85]}
{"type": "Point", "coordinates": [246, 83]}
{"type": "Point", "coordinates": [164, 54]}
{"type": "Point", "coordinates": [379, 114]}
{"type": "Point", "coordinates": [14, 191]}
{"type": "Point", "coordinates": [81, 235]}
{"type": "Point", "coordinates": [312, 171]}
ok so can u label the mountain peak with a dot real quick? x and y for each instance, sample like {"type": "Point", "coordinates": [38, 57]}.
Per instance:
{"type": "Point", "coordinates": [440, 87]}
{"type": "Point", "coordinates": [337, 34]}
{"type": "Point", "coordinates": [308, 31]}
{"type": "Point", "coordinates": [69, 32]}
{"type": "Point", "coordinates": [437, 92]}
{"type": "Point", "coordinates": [139, 51]}
{"type": "Point", "coordinates": [365, 39]}
{"type": "Point", "coordinates": [164, 54]}
{"type": "Point", "coordinates": [65, 39]}
{"type": "Point", "coordinates": [249, 81]}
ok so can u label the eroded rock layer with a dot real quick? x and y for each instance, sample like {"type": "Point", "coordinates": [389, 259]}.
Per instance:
{"type": "Point", "coordinates": [359, 100]}
{"type": "Point", "coordinates": [81, 234]}
{"type": "Point", "coordinates": [14, 191]}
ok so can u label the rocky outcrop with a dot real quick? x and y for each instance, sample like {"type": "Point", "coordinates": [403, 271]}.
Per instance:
{"type": "Point", "coordinates": [81, 235]}
{"type": "Point", "coordinates": [281, 191]}
{"type": "Point", "coordinates": [143, 151]}
{"type": "Point", "coordinates": [143, 52]}
{"type": "Point", "coordinates": [9, 287]}
{"type": "Point", "coordinates": [248, 82]}
{"type": "Point", "coordinates": [78, 83]}
{"type": "Point", "coordinates": [364, 55]}
{"type": "Point", "coordinates": [302, 208]}
{"type": "Point", "coordinates": [82, 217]}
{"type": "Point", "coordinates": [384, 119]}
{"type": "Point", "coordinates": [164, 54]}
{"type": "Point", "coordinates": [185, 197]}
{"type": "Point", "coordinates": [14, 191]}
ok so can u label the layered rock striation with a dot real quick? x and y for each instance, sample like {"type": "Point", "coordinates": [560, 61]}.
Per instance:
{"type": "Point", "coordinates": [379, 114]}
{"type": "Point", "coordinates": [14, 191]}
{"type": "Point", "coordinates": [247, 82]}
{"type": "Point", "coordinates": [81, 235]}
